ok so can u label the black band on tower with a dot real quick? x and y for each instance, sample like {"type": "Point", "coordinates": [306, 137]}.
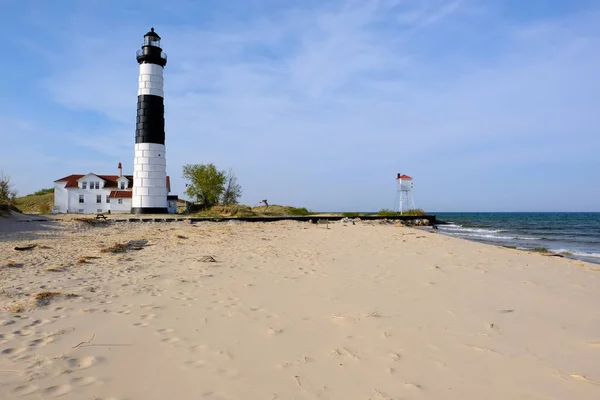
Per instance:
{"type": "Point", "coordinates": [150, 126]}
{"type": "Point", "coordinates": [149, 210]}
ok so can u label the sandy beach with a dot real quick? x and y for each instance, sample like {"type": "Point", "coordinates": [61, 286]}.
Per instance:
{"type": "Point", "coordinates": [289, 310]}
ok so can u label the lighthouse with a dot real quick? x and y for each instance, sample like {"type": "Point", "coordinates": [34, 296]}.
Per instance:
{"type": "Point", "coordinates": [150, 167]}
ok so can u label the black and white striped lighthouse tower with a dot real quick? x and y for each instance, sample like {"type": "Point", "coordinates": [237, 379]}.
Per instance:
{"type": "Point", "coordinates": [150, 167]}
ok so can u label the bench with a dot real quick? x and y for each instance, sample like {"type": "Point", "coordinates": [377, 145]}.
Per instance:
{"type": "Point", "coordinates": [101, 216]}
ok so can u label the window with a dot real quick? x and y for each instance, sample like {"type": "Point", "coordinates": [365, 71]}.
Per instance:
{"type": "Point", "coordinates": [123, 185]}
{"type": "Point", "coordinates": [99, 198]}
{"type": "Point", "coordinates": [81, 197]}
{"type": "Point", "coordinates": [120, 201]}
{"type": "Point", "coordinates": [107, 199]}
{"type": "Point", "coordinates": [99, 210]}
{"type": "Point", "coordinates": [97, 185]}
{"type": "Point", "coordinates": [84, 185]}
{"type": "Point", "coordinates": [81, 210]}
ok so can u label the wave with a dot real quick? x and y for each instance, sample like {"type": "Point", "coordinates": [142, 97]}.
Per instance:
{"type": "Point", "coordinates": [574, 253]}
{"type": "Point", "coordinates": [462, 229]}
{"type": "Point", "coordinates": [488, 236]}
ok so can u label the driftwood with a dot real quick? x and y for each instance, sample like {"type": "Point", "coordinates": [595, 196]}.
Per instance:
{"type": "Point", "coordinates": [28, 247]}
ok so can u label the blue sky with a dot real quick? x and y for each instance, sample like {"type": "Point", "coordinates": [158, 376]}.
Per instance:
{"type": "Point", "coordinates": [489, 105]}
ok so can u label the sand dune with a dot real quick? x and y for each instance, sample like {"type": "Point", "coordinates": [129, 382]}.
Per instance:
{"type": "Point", "coordinates": [291, 311]}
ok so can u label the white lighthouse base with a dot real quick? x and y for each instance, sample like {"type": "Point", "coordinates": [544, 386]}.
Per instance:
{"type": "Point", "coordinates": [149, 179]}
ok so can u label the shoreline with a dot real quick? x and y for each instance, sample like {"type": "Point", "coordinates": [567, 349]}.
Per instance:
{"type": "Point", "coordinates": [333, 217]}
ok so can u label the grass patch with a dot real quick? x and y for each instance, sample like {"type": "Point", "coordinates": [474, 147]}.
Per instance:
{"type": "Point", "coordinates": [44, 298]}
{"type": "Point", "coordinates": [15, 308]}
{"type": "Point", "coordinates": [277, 210]}
{"type": "Point", "coordinates": [6, 208]}
{"type": "Point", "coordinates": [43, 192]}
{"type": "Point", "coordinates": [236, 210]}
{"type": "Point", "coordinates": [417, 212]}
{"type": "Point", "coordinates": [36, 203]}
{"type": "Point", "coordinates": [207, 214]}
{"type": "Point", "coordinates": [511, 247]}
{"type": "Point", "coordinates": [244, 211]}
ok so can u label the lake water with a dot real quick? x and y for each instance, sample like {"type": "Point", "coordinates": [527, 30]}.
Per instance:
{"type": "Point", "coordinates": [574, 235]}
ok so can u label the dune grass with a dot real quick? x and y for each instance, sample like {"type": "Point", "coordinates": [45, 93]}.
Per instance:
{"type": "Point", "coordinates": [413, 212]}
{"type": "Point", "coordinates": [239, 210]}
{"type": "Point", "coordinates": [36, 203]}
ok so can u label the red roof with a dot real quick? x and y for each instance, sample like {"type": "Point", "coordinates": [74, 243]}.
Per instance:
{"type": "Point", "coordinates": [110, 180]}
{"type": "Point", "coordinates": [403, 176]}
{"type": "Point", "coordinates": [71, 180]}
{"type": "Point", "coordinates": [120, 194]}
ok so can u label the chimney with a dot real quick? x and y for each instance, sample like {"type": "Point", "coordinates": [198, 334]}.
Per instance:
{"type": "Point", "coordinates": [120, 170]}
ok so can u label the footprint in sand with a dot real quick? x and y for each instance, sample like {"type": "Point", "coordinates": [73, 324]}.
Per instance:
{"type": "Point", "coordinates": [84, 380]}
{"type": "Point", "coordinates": [5, 337]}
{"type": "Point", "coordinates": [167, 332]}
{"type": "Point", "coordinates": [584, 379]}
{"type": "Point", "coordinates": [24, 390]}
{"type": "Point", "coordinates": [40, 342]}
{"type": "Point", "coordinates": [13, 351]}
{"type": "Point", "coordinates": [213, 396]}
{"type": "Point", "coordinates": [38, 322]}
{"type": "Point", "coordinates": [23, 332]}
{"type": "Point", "coordinates": [82, 362]}
{"type": "Point", "coordinates": [410, 385]}
{"type": "Point", "coordinates": [145, 320]}
{"type": "Point", "coordinates": [56, 391]}
{"type": "Point", "coordinates": [273, 332]}
{"type": "Point", "coordinates": [343, 352]}
{"type": "Point", "coordinates": [194, 364]}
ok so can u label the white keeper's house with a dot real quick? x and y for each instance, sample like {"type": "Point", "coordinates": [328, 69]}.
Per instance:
{"type": "Point", "coordinates": [95, 194]}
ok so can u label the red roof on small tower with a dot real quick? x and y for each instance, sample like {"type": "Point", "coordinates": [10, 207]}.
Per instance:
{"type": "Point", "coordinates": [403, 176]}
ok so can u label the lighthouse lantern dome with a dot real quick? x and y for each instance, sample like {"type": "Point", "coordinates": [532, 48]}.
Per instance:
{"type": "Point", "coordinates": [151, 39]}
{"type": "Point", "coordinates": [151, 52]}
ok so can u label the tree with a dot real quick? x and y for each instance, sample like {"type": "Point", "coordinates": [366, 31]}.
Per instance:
{"type": "Point", "coordinates": [233, 190]}
{"type": "Point", "coordinates": [207, 184]}
{"type": "Point", "coordinates": [7, 192]}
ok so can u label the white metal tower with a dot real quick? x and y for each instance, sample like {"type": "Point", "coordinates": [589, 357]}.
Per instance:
{"type": "Point", "coordinates": [404, 198]}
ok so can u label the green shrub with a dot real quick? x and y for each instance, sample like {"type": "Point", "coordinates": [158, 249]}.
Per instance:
{"type": "Point", "coordinates": [298, 211]}
{"type": "Point", "coordinates": [44, 191]}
